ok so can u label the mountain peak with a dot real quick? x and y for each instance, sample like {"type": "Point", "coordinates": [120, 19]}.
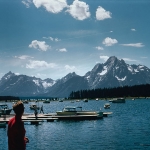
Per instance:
{"type": "Point", "coordinates": [8, 75]}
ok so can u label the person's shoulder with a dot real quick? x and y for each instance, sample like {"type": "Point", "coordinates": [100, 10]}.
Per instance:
{"type": "Point", "coordinates": [11, 120]}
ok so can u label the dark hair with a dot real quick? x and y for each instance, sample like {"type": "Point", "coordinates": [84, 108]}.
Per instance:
{"type": "Point", "coordinates": [18, 108]}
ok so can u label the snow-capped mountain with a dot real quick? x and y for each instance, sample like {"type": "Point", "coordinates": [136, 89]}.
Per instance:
{"type": "Point", "coordinates": [22, 85]}
{"type": "Point", "coordinates": [112, 73]}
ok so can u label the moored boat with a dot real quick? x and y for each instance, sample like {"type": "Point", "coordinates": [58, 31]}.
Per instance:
{"type": "Point", "coordinates": [69, 110]}
{"type": "Point", "coordinates": [4, 109]}
{"type": "Point", "coordinates": [46, 101]}
{"type": "Point", "coordinates": [118, 100]}
{"type": "Point", "coordinates": [107, 105]}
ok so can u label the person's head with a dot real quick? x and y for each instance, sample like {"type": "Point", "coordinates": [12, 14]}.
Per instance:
{"type": "Point", "coordinates": [18, 108]}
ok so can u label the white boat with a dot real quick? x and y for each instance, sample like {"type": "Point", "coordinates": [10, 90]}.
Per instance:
{"type": "Point", "coordinates": [85, 100]}
{"type": "Point", "coordinates": [107, 105]}
{"type": "Point", "coordinates": [4, 109]}
{"type": "Point", "coordinates": [34, 106]}
{"type": "Point", "coordinates": [60, 100]}
{"type": "Point", "coordinates": [46, 101]}
{"type": "Point", "coordinates": [118, 100]}
{"type": "Point", "coordinates": [69, 110]}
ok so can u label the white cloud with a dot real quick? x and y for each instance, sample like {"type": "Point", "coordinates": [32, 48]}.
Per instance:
{"type": "Point", "coordinates": [23, 57]}
{"type": "Point", "coordinates": [102, 14]}
{"type": "Point", "coordinates": [17, 73]}
{"type": "Point", "coordinates": [79, 10]}
{"type": "Point", "coordinates": [62, 50]}
{"type": "Point", "coordinates": [109, 42]}
{"type": "Point", "coordinates": [53, 6]}
{"type": "Point", "coordinates": [128, 59]}
{"type": "Point", "coordinates": [52, 39]}
{"type": "Point", "coordinates": [99, 48]}
{"type": "Point", "coordinates": [104, 57]}
{"type": "Point", "coordinates": [134, 45]}
{"type": "Point", "coordinates": [133, 30]}
{"type": "Point", "coordinates": [67, 67]}
{"type": "Point", "coordinates": [26, 3]}
{"type": "Point", "coordinates": [36, 64]}
{"type": "Point", "coordinates": [40, 45]}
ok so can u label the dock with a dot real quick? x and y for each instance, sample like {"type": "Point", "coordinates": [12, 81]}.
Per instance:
{"type": "Point", "coordinates": [51, 117]}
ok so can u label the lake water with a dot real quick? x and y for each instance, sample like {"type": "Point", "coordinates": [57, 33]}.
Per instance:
{"type": "Point", "coordinates": [128, 128]}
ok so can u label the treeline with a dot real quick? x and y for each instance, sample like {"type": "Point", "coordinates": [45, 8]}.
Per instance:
{"type": "Point", "coordinates": [8, 98]}
{"type": "Point", "coordinates": [126, 91]}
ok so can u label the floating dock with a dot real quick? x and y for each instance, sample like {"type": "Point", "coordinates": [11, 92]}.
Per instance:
{"type": "Point", "coordinates": [51, 117]}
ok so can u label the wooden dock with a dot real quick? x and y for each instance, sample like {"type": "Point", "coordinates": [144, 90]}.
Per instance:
{"type": "Point", "coordinates": [51, 117]}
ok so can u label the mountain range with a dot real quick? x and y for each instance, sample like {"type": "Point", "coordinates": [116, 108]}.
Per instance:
{"type": "Point", "coordinates": [113, 73]}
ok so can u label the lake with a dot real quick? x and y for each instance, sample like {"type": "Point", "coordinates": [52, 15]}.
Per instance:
{"type": "Point", "coordinates": [128, 128]}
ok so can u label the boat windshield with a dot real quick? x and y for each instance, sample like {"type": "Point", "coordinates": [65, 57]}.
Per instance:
{"type": "Point", "coordinates": [69, 109]}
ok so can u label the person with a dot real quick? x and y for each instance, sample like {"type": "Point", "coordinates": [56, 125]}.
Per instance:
{"type": "Point", "coordinates": [35, 112]}
{"type": "Point", "coordinates": [41, 110]}
{"type": "Point", "coordinates": [4, 113]}
{"type": "Point", "coordinates": [16, 131]}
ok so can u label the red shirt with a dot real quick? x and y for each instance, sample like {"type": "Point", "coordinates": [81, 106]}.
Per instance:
{"type": "Point", "coordinates": [16, 134]}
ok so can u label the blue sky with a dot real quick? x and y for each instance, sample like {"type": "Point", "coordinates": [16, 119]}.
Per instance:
{"type": "Point", "coordinates": [51, 38]}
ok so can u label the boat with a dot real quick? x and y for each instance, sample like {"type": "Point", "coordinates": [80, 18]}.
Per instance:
{"type": "Point", "coordinates": [34, 106]}
{"type": "Point", "coordinates": [25, 102]}
{"type": "Point", "coordinates": [60, 100]}
{"type": "Point", "coordinates": [77, 100]}
{"type": "Point", "coordinates": [118, 100]}
{"type": "Point", "coordinates": [4, 109]}
{"type": "Point", "coordinates": [46, 101]}
{"type": "Point", "coordinates": [107, 105]}
{"type": "Point", "coordinates": [85, 100]}
{"type": "Point", "coordinates": [69, 110]}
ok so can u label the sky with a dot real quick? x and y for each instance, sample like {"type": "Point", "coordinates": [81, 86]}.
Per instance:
{"type": "Point", "coordinates": [51, 38]}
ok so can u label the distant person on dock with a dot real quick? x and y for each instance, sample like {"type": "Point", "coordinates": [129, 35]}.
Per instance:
{"type": "Point", "coordinates": [35, 112]}
{"type": "Point", "coordinates": [4, 114]}
{"type": "Point", "coordinates": [41, 110]}
{"type": "Point", "coordinates": [16, 131]}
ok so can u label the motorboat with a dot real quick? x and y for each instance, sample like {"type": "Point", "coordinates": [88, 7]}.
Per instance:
{"type": "Point", "coordinates": [85, 100]}
{"type": "Point", "coordinates": [69, 110]}
{"type": "Point", "coordinates": [118, 100]}
{"type": "Point", "coordinates": [46, 101]}
{"type": "Point", "coordinates": [107, 105]}
{"type": "Point", "coordinates": [34, 106]}
{"type": "Point", "coordinates": [25, 102]}
{"type": "Point", "coordinates": [4, 109]}
{"type": "Point", "coordinates": [60, 100]}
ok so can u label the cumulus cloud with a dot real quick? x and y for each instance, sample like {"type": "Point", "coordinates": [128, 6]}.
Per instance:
{"type": "Point", "coordinates": [23, 57]}
{"type": "Point", "coordinates": [53, 6]}
{"type": "Point", "coordinates": [134, 45]}
{"type": "Point", "coordinates": [99, 48]}
{"type": "Point", "coordinates": [109, 41]}
{"type": "Point", "coordinates": [67, 67]}
{"type": "Point", "coordinates": [62, 50]}
{"type": "Point", "coordinates": [102, 14]}
{"type": "Point", "coordinates": [104, 57]}
{"type": "Point", "coordinates": [40, 45]}
{"type": "Point", "coordinates": [79, 10]}
{"type": "Point", "coordinates": [36, 64]}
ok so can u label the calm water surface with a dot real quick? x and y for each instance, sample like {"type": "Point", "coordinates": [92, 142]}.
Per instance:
{"type": "Point", "coordinates": [128, 128]}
